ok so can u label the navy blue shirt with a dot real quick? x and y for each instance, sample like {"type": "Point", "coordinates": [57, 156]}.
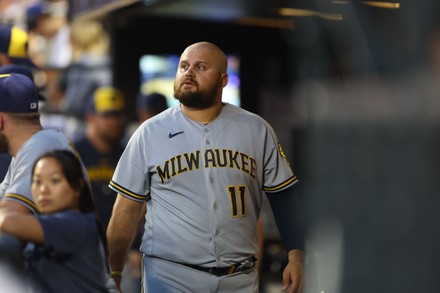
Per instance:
{"type": "Point", "coordinates": [100, 168]}
{"type": "Point", "coordinates": [71, 259]}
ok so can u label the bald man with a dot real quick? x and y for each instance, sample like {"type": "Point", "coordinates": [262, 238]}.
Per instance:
{"type": "Point", "coordinates": [202, 168]}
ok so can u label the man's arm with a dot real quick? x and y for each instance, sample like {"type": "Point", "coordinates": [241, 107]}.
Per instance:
{"type": "Point", "coordinates": [120, 233]}
{"type": "Point", "coordinates": [10, 246]}
{"type": "Point", "coordinates": [289, 218]}
{"type": "Point", "coordinates": [12, 206]}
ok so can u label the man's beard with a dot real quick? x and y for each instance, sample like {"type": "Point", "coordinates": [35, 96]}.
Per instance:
{"type": "Point", "coordinates": [111, 139]}
{"type": "Point", "coordinates": [110, 136]}
{"type": "Point", "coordinates": [4, 144]}
{"type": "Point", "coordinates": [198, 99]}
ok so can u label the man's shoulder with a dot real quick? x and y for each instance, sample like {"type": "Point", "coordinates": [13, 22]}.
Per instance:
{"type": "Point", "coordinates": [240, 113]}
{"type": "Point", "coordinates": [44, 141]}
{"type": "Point", "coordinates": [52, 134]}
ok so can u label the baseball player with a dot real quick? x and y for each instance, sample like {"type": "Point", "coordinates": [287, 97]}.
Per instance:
{"type": "Point", "coordinates": [22, 136]}
{"type": "Point", "coordinates": [203, 167]}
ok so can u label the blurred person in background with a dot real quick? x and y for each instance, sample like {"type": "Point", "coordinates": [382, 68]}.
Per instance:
{"type": "Point", "coordinates": [150, 105]}
{"type": "Point", "coordinates": [90, 67]}
{"type": "Point", "coordinates": [147, 106]}
{"type": "Point", "coordinates": [101, 145]}
{"type": "Point", "coordinates": [50, 49]}
{"type": "Point", "coordinates": [14, 46]}
{"type": "Point", "coordinates": [51, 114]}
{"type": "Point", "coordinates": [13, 12]}
{"type": "Point", "coordinates": [49, 34]}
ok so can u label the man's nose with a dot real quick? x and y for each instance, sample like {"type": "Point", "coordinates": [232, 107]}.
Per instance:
{"type": "Point", "coordinates": [189, 72]}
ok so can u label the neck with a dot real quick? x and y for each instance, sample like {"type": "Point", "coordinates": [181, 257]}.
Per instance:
{"type": "Point", "coordinates": [203, 116]}
{"type": "Point", "coordinates": [18, 136]}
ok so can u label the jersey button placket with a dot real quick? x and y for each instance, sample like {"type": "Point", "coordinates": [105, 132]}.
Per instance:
{"type": "Point", "coordinates": [207, 140]}
{"type": "Point", "coordinates": [211, 190]}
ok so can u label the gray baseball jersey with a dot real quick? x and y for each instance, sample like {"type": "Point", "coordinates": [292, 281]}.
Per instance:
{"type": "Point", "coordinates": [16, 185]}
{"type": "Point", "coordinates": [205, 183]}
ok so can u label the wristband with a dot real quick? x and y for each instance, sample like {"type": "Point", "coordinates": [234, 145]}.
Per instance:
{"type": "Point", "coordinates": [116, 273]}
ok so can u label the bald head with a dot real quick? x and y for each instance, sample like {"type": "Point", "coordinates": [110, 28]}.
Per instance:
{"type": "Point", "coordinates": [201, 76]}
{"type": "Point", "coordinates": [211, 51]}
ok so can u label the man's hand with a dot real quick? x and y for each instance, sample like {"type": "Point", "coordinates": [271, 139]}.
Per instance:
{"type": "Point", "coordinates": [293, 275]}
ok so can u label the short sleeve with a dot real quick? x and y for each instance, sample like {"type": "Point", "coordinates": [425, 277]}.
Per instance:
{"type": "Point", "coordinates": [131, 170]}
{"type": "Point", "coordinates": [278, 174]}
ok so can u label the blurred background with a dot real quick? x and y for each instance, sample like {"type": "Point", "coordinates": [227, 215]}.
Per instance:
{"type": "Point", "coordinates": [351, 87]}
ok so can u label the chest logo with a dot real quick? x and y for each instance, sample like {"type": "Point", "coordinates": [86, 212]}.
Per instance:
{"type": "Point", "coordinates": [171, 135]}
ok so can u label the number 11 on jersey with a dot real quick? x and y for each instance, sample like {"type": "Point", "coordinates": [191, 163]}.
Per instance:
{"type": "Point", "coordinates": [237, 197]}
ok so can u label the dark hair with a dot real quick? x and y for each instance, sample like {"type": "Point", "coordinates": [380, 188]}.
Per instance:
{"type": "Point", "coordinates": [74, 173]}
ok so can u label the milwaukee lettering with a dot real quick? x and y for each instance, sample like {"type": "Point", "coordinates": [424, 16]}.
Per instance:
{"type": "Point", "coordinates": [212, 158]}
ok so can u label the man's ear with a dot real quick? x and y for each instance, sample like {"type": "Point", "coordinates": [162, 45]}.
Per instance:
{"type": "Point", "coordinates": [225, 79]}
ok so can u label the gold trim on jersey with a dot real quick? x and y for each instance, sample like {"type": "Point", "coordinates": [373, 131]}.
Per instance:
{"type": "Point", "coordinates": [24, 200]}
{"type": "Point", "coordinates": [280, 149]}
{"type": "Point", "coordinates": [289, 181]}
{"type": "Point", "coordinates": [129, 193]}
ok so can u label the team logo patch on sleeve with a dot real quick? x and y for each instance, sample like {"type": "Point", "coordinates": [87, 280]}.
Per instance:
{"type": "Point", "coordinates": [280, 149]}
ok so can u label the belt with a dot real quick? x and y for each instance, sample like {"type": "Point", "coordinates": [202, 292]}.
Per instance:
{"type": "Point", "coordinates": [235, 268]}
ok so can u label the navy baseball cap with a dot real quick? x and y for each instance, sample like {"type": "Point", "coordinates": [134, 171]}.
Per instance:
{"type": "Point", "coordinates": [106, 100]}
{"type": "Point", "coordinates": [14, 43]}
{"type": "Point", "coordinates": [17, 94]}
{"type": "Point", "coordinates": [15, 68]}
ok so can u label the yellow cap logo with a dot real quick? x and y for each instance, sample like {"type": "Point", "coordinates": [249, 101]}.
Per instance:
{"type": "Point", "coordinates": [18, 43]}
{"type": "Point", "coordinates": [108, 99]}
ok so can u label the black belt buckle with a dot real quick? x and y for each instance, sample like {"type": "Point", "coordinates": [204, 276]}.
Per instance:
{"type": "Point", "coordinates": [218, 272]}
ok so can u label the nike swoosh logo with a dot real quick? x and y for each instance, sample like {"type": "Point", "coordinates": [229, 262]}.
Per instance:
{"type": "Point", "coordinates": [171, 135]}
